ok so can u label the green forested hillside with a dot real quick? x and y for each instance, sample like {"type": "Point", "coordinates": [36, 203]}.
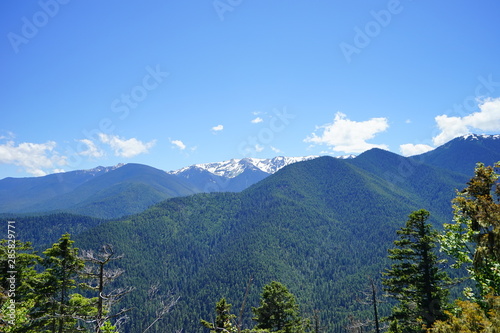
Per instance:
{"type": "Point", "coordinates": [321, 227]}
{"type": "Point", "coordinates": [461, 154]}
{"type": "Point", "coordinates": [43, 230]}
{"type": "Point", "coordinates": [126, 190]}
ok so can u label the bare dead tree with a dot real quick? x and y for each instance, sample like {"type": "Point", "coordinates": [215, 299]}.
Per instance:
{"type": "Point", "coordinates": [240, 317]}
{"type": "Point", "coordinates": [370, 298]}
{"type": "Point", "coordinates": [318, 328]}
{"type": "Point", "coordinates": [98, 278]}
{"type": "Point", "coordinates": [356, 325]}
{"type": "Point", "coordinates": [166, 303]}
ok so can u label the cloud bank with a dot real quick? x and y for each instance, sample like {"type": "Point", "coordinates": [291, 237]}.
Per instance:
{"type": "Point", "coordinates": [33, 157]}
{"type": "Point", "coordinates": [348, 136]}
{"type": "Point", "coordinates": [486, 119]}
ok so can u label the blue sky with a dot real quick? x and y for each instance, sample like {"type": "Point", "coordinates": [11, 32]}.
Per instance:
{"type": "Point", "coordinates": [174, 83]}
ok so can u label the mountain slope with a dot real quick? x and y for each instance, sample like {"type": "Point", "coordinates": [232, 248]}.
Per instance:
{"type": "Point", "coordinates": [122, 191]}
{"type": "Point", "coordinates": [425, 185]}
{"type": "Point", "coordinates": [18, 193]}
{"type": "Point", "coordinates": [461, 154]}
{"type": "Point", "coordinates": [320, 227]}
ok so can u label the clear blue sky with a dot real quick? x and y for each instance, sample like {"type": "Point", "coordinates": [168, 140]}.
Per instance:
{"type": "Point", "coordinates": [174, 83]}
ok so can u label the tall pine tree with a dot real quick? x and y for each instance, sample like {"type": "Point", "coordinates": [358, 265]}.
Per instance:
{"type": "Point", "coordinates": [58, 308]}
{"type": "Point", "coordinates": [414, 279]}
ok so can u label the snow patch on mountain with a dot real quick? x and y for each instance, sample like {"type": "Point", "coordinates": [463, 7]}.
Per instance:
{"type": "Point", "coordinates": [101, 169]}
{"type": "Point", "coordinates": [472, 136]}
{"type": "Point", "coordinates": [346, 157]}
{"type": "Point", "coordinates": [234, 167]}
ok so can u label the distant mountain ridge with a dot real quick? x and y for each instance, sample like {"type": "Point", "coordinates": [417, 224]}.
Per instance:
{"type": "Point", "coordinates": [123, 189]}
{"type": "Point", "coordinates": [462, 153]}
{"type": "Point", "coordinates": [105, 192]}
{"type": "Point", "coordinates": [234, 167]}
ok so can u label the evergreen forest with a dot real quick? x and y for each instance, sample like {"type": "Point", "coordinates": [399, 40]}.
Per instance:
{"type": "Point", "coordinates": [380, 243]}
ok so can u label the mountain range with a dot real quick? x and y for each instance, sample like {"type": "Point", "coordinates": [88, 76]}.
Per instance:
{"type": "Point", "coordinates": [124, 189]}
{"type": "Point", "coordinates": [321, 226]}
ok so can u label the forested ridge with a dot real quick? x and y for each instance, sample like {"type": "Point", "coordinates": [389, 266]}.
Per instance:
{"type": "Point", "coordinates": [321, 227]}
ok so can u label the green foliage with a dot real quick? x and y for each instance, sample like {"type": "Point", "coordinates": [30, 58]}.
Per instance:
{"type": "Point", "coordinates": [473, 240]}
{"type": "Point", "coordinates": [278, 310]}
{"type": "Point", "coordinates": [18, 284]}
{"type": "Point", "coordinates": [469, 317]}
{"type": "Point", "coordinates": [224, 320]}
{"type": "Point", "coordinates": [19, 258]}
{"type": "Point", "coordinates": [415, 279]}
{"type": "Point", "coordinates": [57, 308]}
{"type": "Point", "coordinates": [42, 301]}
{"type": "Point", "coordinates": [108, 328]}
{"type": "Point", "coordinates": [14, 316]}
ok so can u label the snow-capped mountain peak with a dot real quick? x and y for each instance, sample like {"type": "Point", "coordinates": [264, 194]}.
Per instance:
{"type": "Point", "coordinates": [472, 136]}
{"type": "Point", "coordinates": [234, 167]}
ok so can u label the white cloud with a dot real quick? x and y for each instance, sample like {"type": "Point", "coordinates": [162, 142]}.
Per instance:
{"type": "Point", "coordinates": [257, 120]}
{"type": "Point", "coordinates": [344, 135]}
{"type": "Point", "coordinates": [259, 148]}
{"type": "Point", "coordinates": [487, 119]}
{"type": "Point", "coordinates": [218, 128]}
{"type": "Point", "coordinates": [33, 157]}
{"type": "Point", "coordinates": [410, 149]}
{"type": "Point", "coordinates": [126, 148]}
{"type": "Point", "coordinates": [179, 144]}
{"type": "Point", "coordinates": [92, 149]}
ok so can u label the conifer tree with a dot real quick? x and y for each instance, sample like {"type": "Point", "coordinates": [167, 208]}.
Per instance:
{"type": "Point", "coordinates": [278, 310]}
{"type": "Point", "coordinates": [223, 320]}
{"type": "Point", "coordinates": [414, 279]}
{"type": "Point", "coordinates": [57, 308]}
